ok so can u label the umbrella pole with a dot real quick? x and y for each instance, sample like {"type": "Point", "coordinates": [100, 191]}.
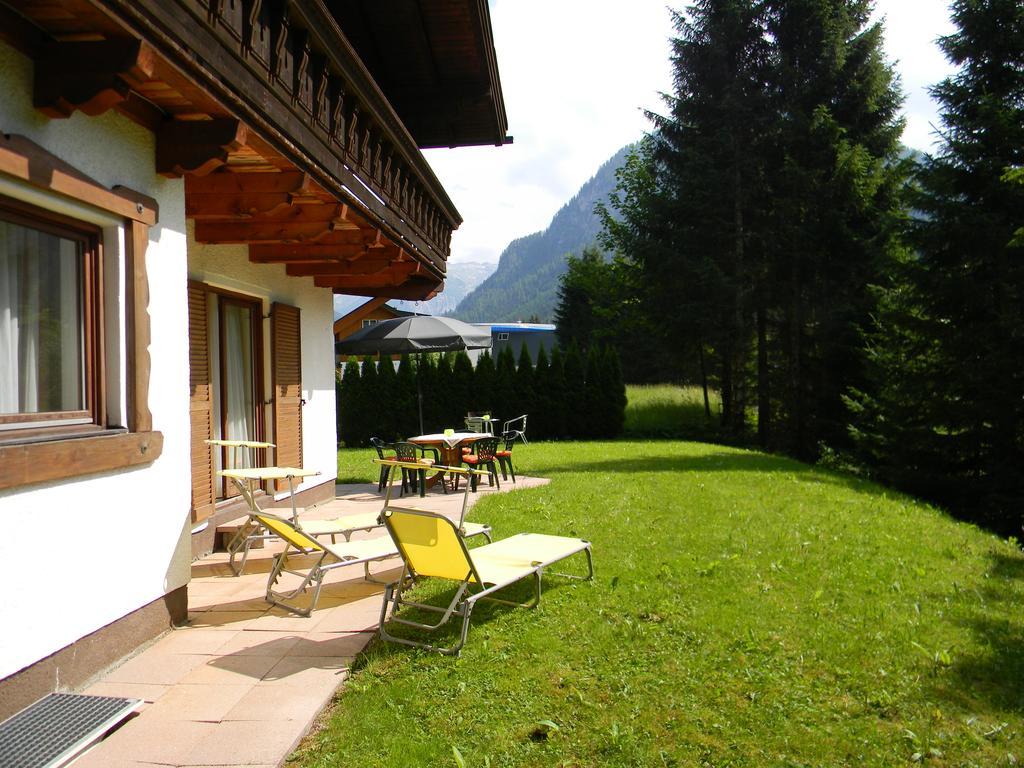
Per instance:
{"type": "Point", "coordinates": [419, 392]}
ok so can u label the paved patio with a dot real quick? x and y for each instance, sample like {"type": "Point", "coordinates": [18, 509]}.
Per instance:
{"type": "Point", "coordinates": [243, 683]}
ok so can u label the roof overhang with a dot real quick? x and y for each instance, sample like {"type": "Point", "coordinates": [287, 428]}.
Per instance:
{"type": "Point", "coordinates": [437, 64]}
{"type": "Point", "coordinates": [285, 141]}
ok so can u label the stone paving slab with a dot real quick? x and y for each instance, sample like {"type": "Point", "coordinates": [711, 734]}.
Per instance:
{"type": "Point", "coordinates": [244, 681]}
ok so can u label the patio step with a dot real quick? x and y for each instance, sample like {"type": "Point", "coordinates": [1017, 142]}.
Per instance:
{"type": "Point", "coordinates": [58, 728]}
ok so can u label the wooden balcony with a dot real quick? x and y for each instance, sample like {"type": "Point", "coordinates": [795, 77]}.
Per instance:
{"type": "Point", "coordinates": [285, 141]}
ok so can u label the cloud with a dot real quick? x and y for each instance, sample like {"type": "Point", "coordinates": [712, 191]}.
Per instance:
{"type": "Point", "coordinates": [576, 77]}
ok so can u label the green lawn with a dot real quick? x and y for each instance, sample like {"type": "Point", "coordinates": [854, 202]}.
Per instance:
{"type": "Point", "coordinates": [748, 611]}
{"type": "Point", "coordinates": [666, 410]}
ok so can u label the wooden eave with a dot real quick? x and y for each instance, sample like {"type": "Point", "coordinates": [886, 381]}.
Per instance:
{"type": "Point", "coordinates": [437, 64]}
{"type": "Point", "coordinates": [284, 141]}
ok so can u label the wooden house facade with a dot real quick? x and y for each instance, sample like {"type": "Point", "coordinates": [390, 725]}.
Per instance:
{"type": "Point", "coordinates": [184, 185]}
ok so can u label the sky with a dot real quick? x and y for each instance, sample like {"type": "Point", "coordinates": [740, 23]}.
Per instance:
{"type": "Point", "coordinates": [577, 76]}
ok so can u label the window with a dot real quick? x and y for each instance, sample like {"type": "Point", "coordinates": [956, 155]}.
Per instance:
{"type": "Point", "coordinates": [368, 323]}
{"type": "Point", "coordinates": [503, 336]}
{"type": "Point", "coordinates": [51, 335]}
{"type": "Point", "coordinates": [74, 321]}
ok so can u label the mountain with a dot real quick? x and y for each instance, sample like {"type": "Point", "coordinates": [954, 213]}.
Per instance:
{"type": "Point", "coordinates": [525, 284]}
{"type": "Point", "coordinates": [462, 278]}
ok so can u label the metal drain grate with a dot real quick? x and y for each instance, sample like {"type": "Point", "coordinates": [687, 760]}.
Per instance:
{"type": "Point", "coordinates": [58, 727]}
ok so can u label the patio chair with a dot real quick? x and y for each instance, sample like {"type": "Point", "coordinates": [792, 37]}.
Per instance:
{"type": "Point", "coordinates": [430, 546]}
{"type": "Point", "coordinates": [380, 446]}
{"type": "Point", "coordinates": [407, 453]}
{"type": "Point", "coordinates": [517, 426]}
{"type": "Point", "coordinates": [299, 545]}
{"type": "Point", "coordinates": [483, 457]}
{"type": "Point", "coordinates": [504, 455]}
{"type": "Point", "coordinates": [466, 530]}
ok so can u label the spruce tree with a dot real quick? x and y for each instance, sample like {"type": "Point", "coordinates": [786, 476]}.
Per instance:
{"type": "Point", "coordinates": [954, 411]}
{"type": "Point", "coordinates": [446, 414]}
{"type": "Point", "coordinates": [833, 181]}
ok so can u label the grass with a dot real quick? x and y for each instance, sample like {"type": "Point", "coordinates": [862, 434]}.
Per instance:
{"type": "Point", "coordinates": [748, 610]}
{"type": "Point", "coordinates": [665, 410]}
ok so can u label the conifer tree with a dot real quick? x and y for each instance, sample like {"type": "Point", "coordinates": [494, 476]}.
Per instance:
{"type": "Point", "coordinates": [524, 385]}
{"type": "Point", "coordinates": [593, 404]}
{"type": "Point", "coordinates": [575, 400]}
{"type": "Point", "coordinates": [366, 422]}
{"type": "Point", "coordinates": [462, 387]}
{"type": "Point", "coordinates": [385, 416]}
{"type": "Point", "coordinates": [504, 385]}
{"type": "Point", "coordinates": [614, 393]}
{"type": "Point", "coordinates": [559, 398]}
{"type": "Point", "coordinates": [484, 377]}
{"type": "Point", "coordinates": [348, 403]}
{"type": "Point", "coordinates": [446, 413]}
{"type": "Point", "coordinates": [541, 418]}
{"type": "Point", "coordinates": [947, 418]}
{"type": "Point", "coordinates": [405, 404]}
{"type": "Point", "coordinates": [833, 179]}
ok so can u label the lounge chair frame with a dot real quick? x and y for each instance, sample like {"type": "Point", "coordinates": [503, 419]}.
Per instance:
{"type": "Point", "coordinates": [465, 599]}
{"type": "Point", "coordinates": [300, 544]}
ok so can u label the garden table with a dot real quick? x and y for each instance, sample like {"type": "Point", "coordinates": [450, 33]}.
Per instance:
{"type": "Point", "coordinates": [449, 447]}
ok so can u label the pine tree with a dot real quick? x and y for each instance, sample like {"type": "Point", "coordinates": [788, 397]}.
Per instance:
{"type": "Point", "coordinates": [445, 409]}
{"type": "Point", "coordinates": [955, 411]}
{"type": "Point", "coordinates": [462, 387]}
{"type": "Point", "coordinates": [833, 180]}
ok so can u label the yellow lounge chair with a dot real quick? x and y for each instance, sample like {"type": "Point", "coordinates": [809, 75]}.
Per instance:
{"type": "Point", "coordinates": [430, 546]}
{"type": "Point", "coordinates": [298, 543]}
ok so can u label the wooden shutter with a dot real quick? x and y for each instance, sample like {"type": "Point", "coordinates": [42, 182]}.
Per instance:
{"type": "Point", "coordinates": [200, 403]}
{"type": "Point", "coordinates": [286, 379]}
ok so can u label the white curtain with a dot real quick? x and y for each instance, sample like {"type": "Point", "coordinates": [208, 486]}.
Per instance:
{"type": "Point", "coordinates": [10, 285]}
{"type": "Point", "coordinates": [41, 330]}
{"type": "Point", "coordinates": [238, 374]}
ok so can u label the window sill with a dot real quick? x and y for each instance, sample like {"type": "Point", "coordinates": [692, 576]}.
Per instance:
{"type": "Point", "coordinates": [75, 455]}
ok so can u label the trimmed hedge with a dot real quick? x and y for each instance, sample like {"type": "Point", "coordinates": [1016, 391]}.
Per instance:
{"type": "Point", "coordinates": [569, 396]}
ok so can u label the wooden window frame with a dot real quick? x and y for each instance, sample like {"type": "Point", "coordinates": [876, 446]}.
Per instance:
{"type": "Point", "coordinates": [43, 455]}
{"type": "Point", "coordinates": [90, 238]}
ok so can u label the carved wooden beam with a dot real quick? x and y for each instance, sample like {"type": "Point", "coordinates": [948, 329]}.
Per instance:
{"type": "Point", "coordinates": [414, 290]}
{"type": "Point", "coordinates": [346, 268]}
{"type": "Point", "coordinates": [90, 76]}
{"type": "Point", "coordinates": [257, 232]}
{"type": "Point", "coordinates": [354, 282]}
{"type": "Point", "coordinates": [314, 253]}
{"type": "Point", "coordinates": [231, 182]}
{"type": "Point", "coordinates": [197, 146]}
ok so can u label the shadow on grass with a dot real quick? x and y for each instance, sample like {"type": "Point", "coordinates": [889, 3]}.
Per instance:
{"type": "Point", "coordinates": [447, 636]}
{"type": "Point", "coordinates": [994, 673]}
{"type": "Point", "coordinates": [723, 462]}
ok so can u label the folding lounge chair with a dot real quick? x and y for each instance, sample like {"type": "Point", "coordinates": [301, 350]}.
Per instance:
{"type": "Point", "coordinates": [430, 545]}
{"type": "Point", "coordinates": [252, 531]}
{"type": "Point", "coordinates": [300, 544]}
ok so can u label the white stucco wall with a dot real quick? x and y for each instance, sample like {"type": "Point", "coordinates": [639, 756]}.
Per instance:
{"type": "Point", "coordinates": [81, 553]}
{"type": "Point", "coordinates": [228, 267]}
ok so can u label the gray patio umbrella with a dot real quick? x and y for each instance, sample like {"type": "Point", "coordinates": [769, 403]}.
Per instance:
{"type": "Point", "coordinates": [416, 333]}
